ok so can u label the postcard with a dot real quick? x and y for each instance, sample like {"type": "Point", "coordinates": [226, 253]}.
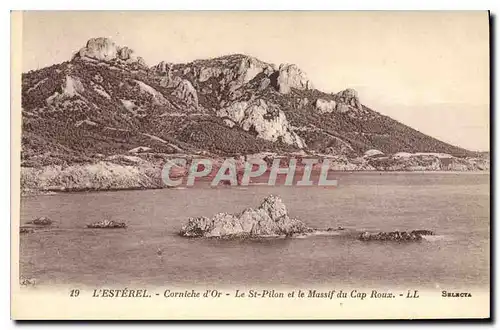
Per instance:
{"type": "Point", "coordinates": [257, 165]}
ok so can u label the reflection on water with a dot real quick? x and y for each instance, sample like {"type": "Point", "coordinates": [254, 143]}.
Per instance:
{"type": "Point", "coordinates": [455, 206]}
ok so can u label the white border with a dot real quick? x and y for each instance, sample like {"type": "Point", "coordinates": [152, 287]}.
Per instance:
{"type": "Point", "coordinates": [253, 5]}
{"type": "Point", "coordinates": [176, 5]}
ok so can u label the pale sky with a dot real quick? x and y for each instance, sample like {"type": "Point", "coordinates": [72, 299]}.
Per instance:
{"type": "Point", "coordinates": [429, 70]}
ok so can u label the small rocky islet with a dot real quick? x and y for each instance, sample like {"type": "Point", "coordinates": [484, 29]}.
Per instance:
{"type": "Point", "coordinates": [40, 221]}
{"type": "Point", "coordinates": [45, 222]}
{"type": "Point", "coordinates": [35, 224]}
{"type": "Point", "coordinates": [397, 236]}
{"type": "Point", "coordinates": [270, 219]}
{"type": "Point", "coordinates": [107, 224]}
{"type": "Point", "coordinates": [26, 230]}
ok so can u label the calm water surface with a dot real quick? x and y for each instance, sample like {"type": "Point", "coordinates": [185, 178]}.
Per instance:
{"type": "Point", "coordinates": [455, 206]}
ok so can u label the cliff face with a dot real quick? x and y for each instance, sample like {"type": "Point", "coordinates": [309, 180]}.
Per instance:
{"type": "Point", "coordinates": [106, 101]}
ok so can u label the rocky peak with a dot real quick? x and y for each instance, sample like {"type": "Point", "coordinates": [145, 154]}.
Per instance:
{"type": "Point", "coordinates": [290, 76]}
{"type": "Point", "coordinates": [236, 70]}
{"type": "Point", "coordinates": [104, 49]}
{"type": "Point", "coordinates": [250, 67]}
{"type": "Point", "coordinates": [274, 206]}
{"type": "Point", "coordinates": [231, 70]}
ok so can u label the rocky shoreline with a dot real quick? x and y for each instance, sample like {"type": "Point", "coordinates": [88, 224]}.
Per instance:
{"type": "Point", "coordinates": [124, 172]}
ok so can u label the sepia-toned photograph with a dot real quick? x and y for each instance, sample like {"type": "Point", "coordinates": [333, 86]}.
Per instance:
{"type": "Point", "coordinates": [250, 165]}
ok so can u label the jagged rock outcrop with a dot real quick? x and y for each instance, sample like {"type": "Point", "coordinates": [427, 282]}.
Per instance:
{"type": "Point", "coordinates": [158, 97]}
{"type": "Point", "coordinates": [170, 80]}
{"type": "Point", "coordinates": [208, 72]}
{"type": "Point", "coordinates": [303, 102]}
{"type": "Point", "coordinates": [186, 92]}
{"type": "Point", "coordinates": [72, 86]}
{"type": "Point", "coordinates": [251, 67]}
{"type": "Point", "coordinates": [163, 68]}
{"type": "Point", "coordinates": [267, 120]}
{"type": "Point", "coordinates": [343, 108]}
{"type": "Point", "coordinates": [166, 71]}
{"type": "Point", "coordinates": [290, 76]}
{"type": "Point", "coordinates": [269, 219]}
{"type": "Point", "coordinates": [125, 54]}
{"type": "Point", "coordinates": [104, 49]}
{"type": "Point", "coordinates": [233, 70]}
{"type": "Point", "coordinates": [264, 83]}
{"type": "Point", "coordinates": [324, 106]}
{"type": "Point", "coordinates": [350, 98]}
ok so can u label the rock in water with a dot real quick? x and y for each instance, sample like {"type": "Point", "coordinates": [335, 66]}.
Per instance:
{"type": "Point", "coordinates": [26, 230]}
{"type": "Point", "coordinates": [423, 232]}
{"type": "Point", "coordinates": [107, 224]}
{"type": "Point", "coordinates": [25, 281]}
{"type": "Point", "coordinates": [269, 219]}
{"type": "Point", "coordinates": [41, 221]}
{"type": "Point", "coordinates": [396, 236]}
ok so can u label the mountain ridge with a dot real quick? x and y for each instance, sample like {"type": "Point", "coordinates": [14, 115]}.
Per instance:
{"type": "Point", "coordinates": [107, 101]}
